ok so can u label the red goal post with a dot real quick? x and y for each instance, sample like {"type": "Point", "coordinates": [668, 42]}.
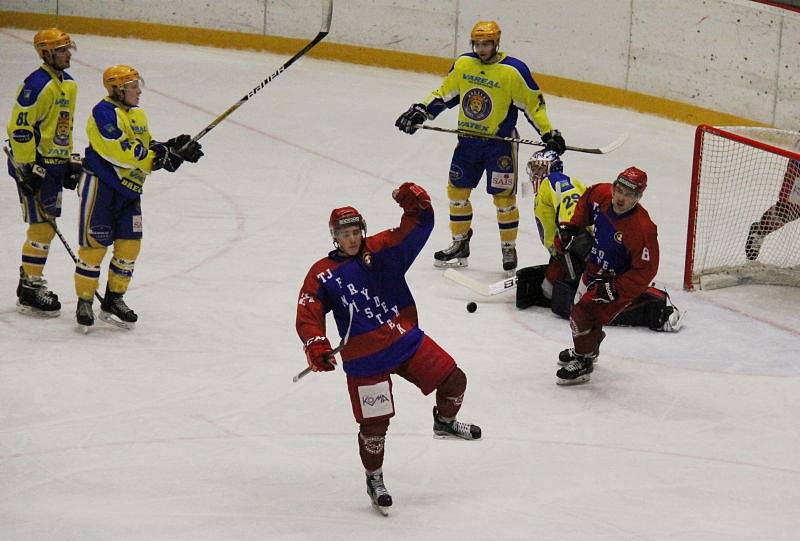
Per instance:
{"type": "Point", "coordinates": [745, 186]}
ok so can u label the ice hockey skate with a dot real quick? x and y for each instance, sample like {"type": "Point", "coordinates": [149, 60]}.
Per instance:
{"type": "Point", "coordinates": [454, 429]}
{"type": "Point", "coordinates": [577, 371]}
{"type": "Point", "coordinates": [114, 311]}
{"type": "Point", "coordinates": [755, 238]}
{"type": "Point", "coordinates": [509, 250]}
{"type": "Point", "coordinates": [456, 255]}
{"type": "Point", "coordinates": [84, 315]}
{"type": "Point", "coordinates": [33, 297]}
{"type": "Point", "coordinates": [381, 499]}
{"type": "Point", "coordinates": [568, 355]}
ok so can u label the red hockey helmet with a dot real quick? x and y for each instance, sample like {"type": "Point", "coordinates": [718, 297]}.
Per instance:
{"type": "Point", "coordinates": [346, 217]}
{"type": "Point", "coordinates": [634, 179]}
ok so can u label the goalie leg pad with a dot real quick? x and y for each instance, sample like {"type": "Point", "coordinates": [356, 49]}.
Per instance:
{"type": "Point", "coordinates": [529, 287]}
{"type": "Point", "coordinates": [563, 298]}
{"type": "Point", "coordinates": [651, 309]}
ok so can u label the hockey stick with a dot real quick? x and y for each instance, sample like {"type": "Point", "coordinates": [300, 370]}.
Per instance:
{"type": "Point", "coordinates": [481, 288]}
{"type": "Point", "coordinates": [46, 216]}
{"type": "Point", "coordinates": [327, 13]}
{"type": "Point", "coordinates": [588, 150]}
{"type": "Point", "coordinates": [333, 352]}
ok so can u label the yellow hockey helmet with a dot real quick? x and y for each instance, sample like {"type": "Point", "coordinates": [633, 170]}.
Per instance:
{"type": "Point", "coordinates": [50, 39]}
{"type": "Point", "coordinates": [117, 76]}
{"type": "Point", "coordinates": [485, 31]}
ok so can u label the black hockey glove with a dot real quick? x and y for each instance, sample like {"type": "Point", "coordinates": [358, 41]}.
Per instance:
{"type": "Point", "coordinates": [554, 141]}
{"type": "Point", "coordinates": [164, 158]}
{"type": "Point", "coordinates": [70, 180]}
{"type": "Point", "coordinates": [30, 177]}
{"type": "Point", "coordinates": [603, 289]}
{"type": "Point", "coordinates": [564, 237]}
{"type": "Point", "coordinates": [416, 114]}
{"type": "Point", "coordinates": [186, 149]}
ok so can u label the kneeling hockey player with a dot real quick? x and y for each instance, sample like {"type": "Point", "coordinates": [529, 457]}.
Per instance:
{"type": "Point", "coordinates": [554, 285]}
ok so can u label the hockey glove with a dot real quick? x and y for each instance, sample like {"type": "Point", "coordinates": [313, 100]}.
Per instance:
{"type": "Point", "coordinates": [164, 159]}
{"type": "Point", "coordinates": [554, 141]}
{"type": "Point", "coordinates": [319, 354]}
{"type": "Point", "coordinates": [416, 114]}
{"type": "Point", "coordinates": [564, 237]}
{"type": "Point", "coordinates": [603, 290]}
{"type": "Point", "coordinates": [70, 180]}
{"type": "Point", "coordinates": [30, 177]}
{"type": "Point", "coordinates": [412, 197]}
{"type": "Point", "coordinates": [186, 149]}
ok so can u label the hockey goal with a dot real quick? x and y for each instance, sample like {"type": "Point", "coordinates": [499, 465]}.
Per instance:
{"type": "Point", "coordinates": [744, 208]}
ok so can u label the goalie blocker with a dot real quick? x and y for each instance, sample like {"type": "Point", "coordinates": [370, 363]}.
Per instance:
{"type": "Point", "coordinates": [652, 309]}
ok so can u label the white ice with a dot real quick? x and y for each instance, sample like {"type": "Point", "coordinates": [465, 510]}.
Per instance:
{"type": "Point", "coordinates": [189, 427]}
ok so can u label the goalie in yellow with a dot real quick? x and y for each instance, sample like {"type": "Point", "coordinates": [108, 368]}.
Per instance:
{"type": "Point", "coordinates": [40, 136]}
{"type": "Point", "coordinates": [491, 89]}
{"type": "Point", "coordinates": [120, 155]}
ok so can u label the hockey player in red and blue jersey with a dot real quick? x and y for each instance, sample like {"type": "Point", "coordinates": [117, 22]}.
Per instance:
{"type": "Point", "coordinates": [363, 283]}
{"type": "Point", "coordinates": [621, 265]}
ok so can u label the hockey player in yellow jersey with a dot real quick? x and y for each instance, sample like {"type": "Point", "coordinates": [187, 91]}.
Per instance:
{"type": "Point", "coordinates": [120, 155]}
{"type": "Point", "coordinates": [490, 88]}
{"type": "Point", "coordinates": [40, 136]}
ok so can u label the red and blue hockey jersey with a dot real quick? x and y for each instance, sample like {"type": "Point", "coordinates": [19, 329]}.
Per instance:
{"type": "Point", "coordinates": [625, 245]}
{"type": "Point", "coordinates": [384, 332]}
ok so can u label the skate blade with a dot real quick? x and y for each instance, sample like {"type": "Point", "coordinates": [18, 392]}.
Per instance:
{"type": "Point", "coordinates": [35, 312]}
{"type": "Point", "coordinates": [111, 320]}
{"type": "Point", "coordinates": [577, 381]}
{"type": "Point", "coordinates": [384, 511]}
{"type": "Point", "coordinates": [448, 436]}
{"type": "Point", "coordinates": [452, 264]}
{"type": "Point", "coordinates": [84, 328]}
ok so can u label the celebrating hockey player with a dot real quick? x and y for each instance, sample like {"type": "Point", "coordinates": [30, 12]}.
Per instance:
{"type": "Point", "coordinates": [40, 135]}
{"type": "Point", "coordinates": [622, 263]}
{"type": "Point", "coordinates": [365, 277]}
{"type": "Point", "coordinates": [554, 285]}
{"type": "Point", "coordinates": [491, 88]}
{"type": "Point", "coordinates": [785, 210]}
{"type": "Point", "coordinates": [120, 155]}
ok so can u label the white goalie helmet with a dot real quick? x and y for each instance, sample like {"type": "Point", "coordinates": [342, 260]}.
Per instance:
{"type": "Point", "coordinates": [541, 164]}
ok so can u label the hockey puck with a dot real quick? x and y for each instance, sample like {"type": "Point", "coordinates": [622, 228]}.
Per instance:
{"type": "Point", "coordinates": [471, 307]}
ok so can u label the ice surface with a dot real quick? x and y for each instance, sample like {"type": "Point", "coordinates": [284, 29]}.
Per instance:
{"type": "Point", "coordinates": [189, 427]}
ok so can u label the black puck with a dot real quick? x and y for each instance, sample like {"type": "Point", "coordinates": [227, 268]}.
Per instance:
{"type": "Point", "coordinates": [471, 307]}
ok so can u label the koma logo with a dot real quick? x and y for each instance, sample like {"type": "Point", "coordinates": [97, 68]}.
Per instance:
{"type": "Point", "coordinates": [372, 400]}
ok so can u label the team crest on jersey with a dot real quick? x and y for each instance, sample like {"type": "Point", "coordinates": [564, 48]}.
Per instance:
{"type": "Point", "coordinates": [504, 163]}
{"type": "Point", "coordinates": [618, 237]}
{"type": "Point", "coordinates": [476, 104]}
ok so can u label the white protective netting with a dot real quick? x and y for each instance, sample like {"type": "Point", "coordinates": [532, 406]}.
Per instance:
{"type": "Point", "coordinates": [739, 174]}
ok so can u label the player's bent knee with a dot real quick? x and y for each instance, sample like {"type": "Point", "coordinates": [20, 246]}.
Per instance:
{"type": "Point", "coordinates": [454, 384]}
{"type": "Point", "coordinates": [458, 194]}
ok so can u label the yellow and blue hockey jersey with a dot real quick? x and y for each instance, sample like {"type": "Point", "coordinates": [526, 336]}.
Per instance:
{"type": "Point", "coordinates": [42, 117]}
{"type": "Point", "coordinates": [490, 95]}
{"type": "Point", "coordinates": [555, 203]}
{"type": "Point", "coordinates": [119, 147]}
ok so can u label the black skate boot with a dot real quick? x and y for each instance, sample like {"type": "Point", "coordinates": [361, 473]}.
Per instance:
{"type": "Point", "coordinates": [509, 250]}
{"type": "Point", "coordinates": [33, 297]}
{"type": "Point", "coordinates": [381, 499]}
{"type": "Point", "coordinates": [577, 371]}
{"type": "Point", "coordinates": [568, 355]}
{"type": "Point", "coordinates": [755, 238]}
{"type": "Point", "coordinates": [454, 429]}
{"type": "Point", "coordinates": [84, 314]}
{"type": "Point", "coordinates": [457, 255]}
{"type": "Point", "coordinates": [113, 310]}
